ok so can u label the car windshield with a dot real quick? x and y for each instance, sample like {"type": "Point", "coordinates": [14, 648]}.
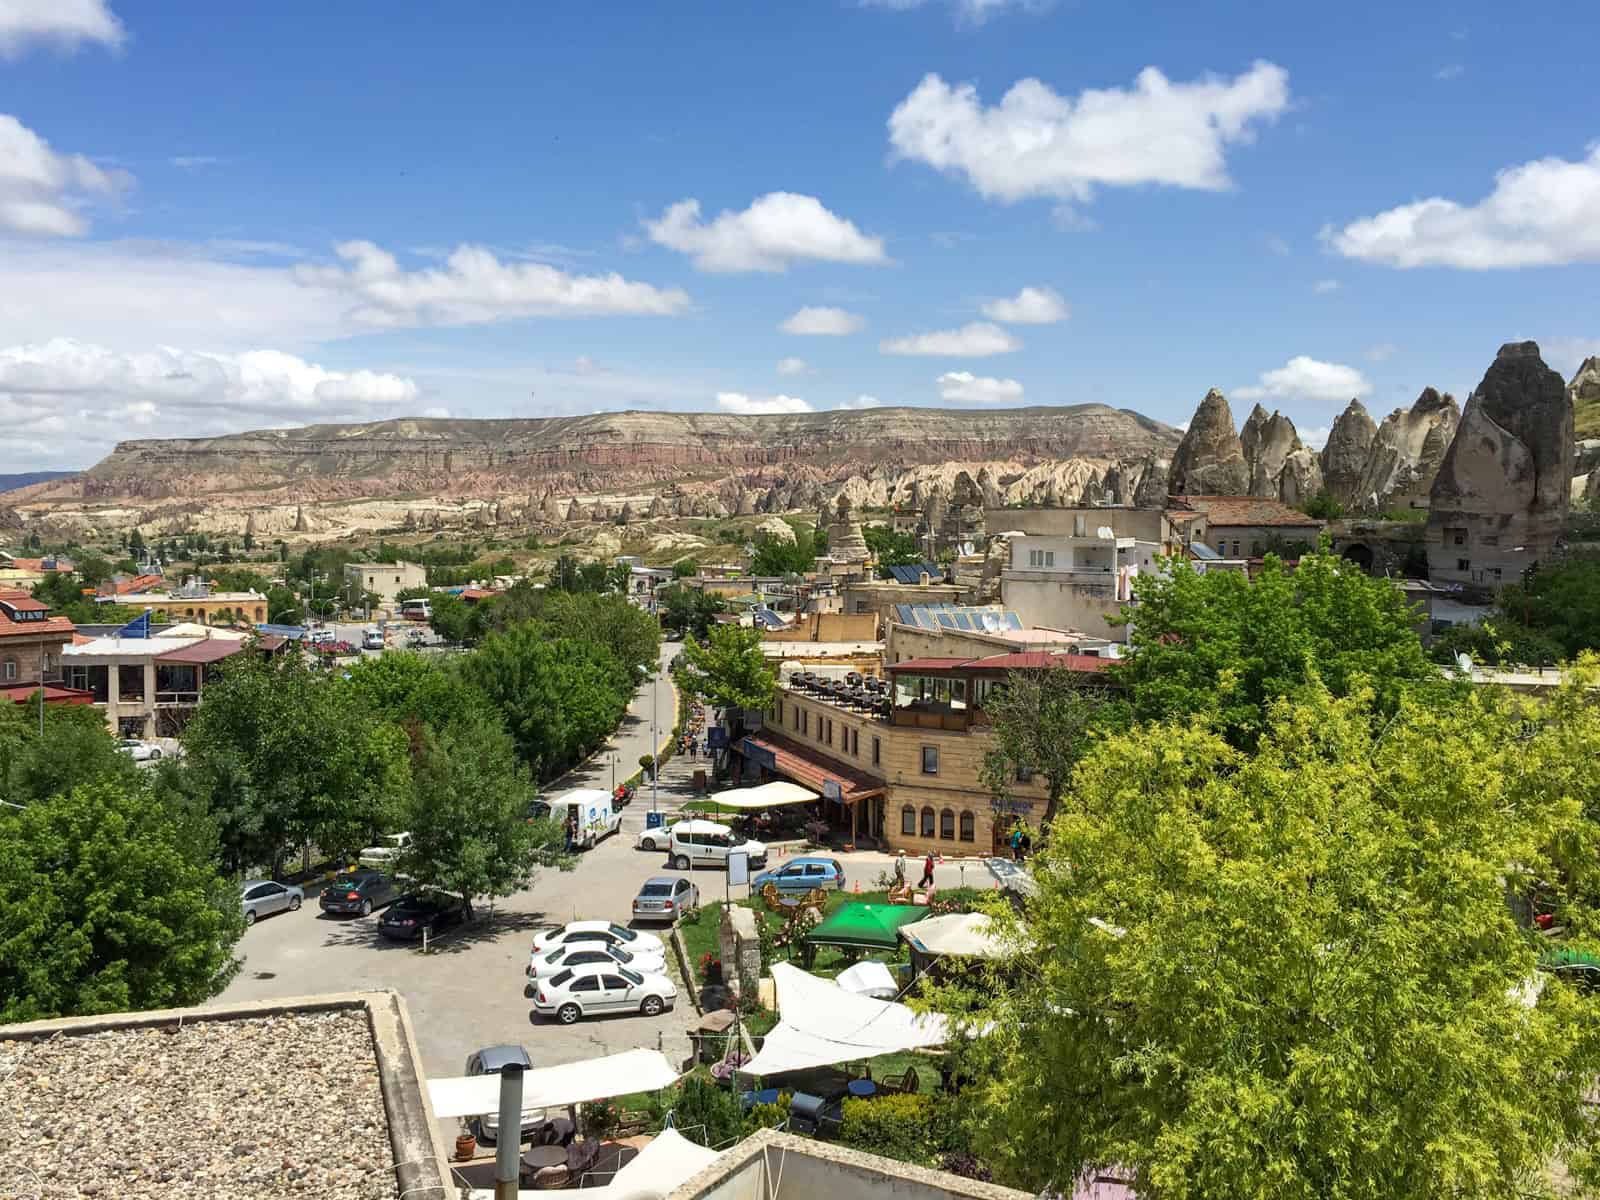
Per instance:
{"type": "Point", "coordinates": [656, 889]}
{"type": "Point", "coordinates": [632, 977]}
{"type": "Point", "coordinates": [626, 935]}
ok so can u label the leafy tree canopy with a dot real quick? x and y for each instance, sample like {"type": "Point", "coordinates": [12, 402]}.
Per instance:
{"type": "Point", "coordinates": [774, 556]}
{"type": "Point", "coordinates": [1294, 973]}
{"type": "Point", "coordinates": [1226, 646]}
{"type": "Point", "coordinates": [728, 668]}
{"type": "Point", "coordinates": [105, 907]}
{"type": "Point", "coordinates": [1041, 721]}
{"type": "Point", "coordinates": [892, 549]}
{"type": "Point", "coordinates": [689, 611]}
{"type": "Point", "coordinates": [1552, 616]}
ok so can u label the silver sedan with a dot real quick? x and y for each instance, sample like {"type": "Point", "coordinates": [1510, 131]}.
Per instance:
{"type": "Point", "coordinates": [263, 897]}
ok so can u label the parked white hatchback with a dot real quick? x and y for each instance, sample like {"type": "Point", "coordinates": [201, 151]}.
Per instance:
{"type": "Point", "coordinates": [707, 844]}
{"type": "Point", "coordinates": [591, 934]}
{"type": "Point", "coordinates": [592, 990]}
{"type": "Point", "coordinates": [647, 961]}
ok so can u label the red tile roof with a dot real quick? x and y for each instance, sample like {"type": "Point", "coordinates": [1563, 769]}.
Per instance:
{"type": "Point", "coordinates": [131, 585]}
{"type": "Point", "coordinates": [810, 769]}
{"type": "Point", "coordinates": [21, 693]}
{"type": "Point", "coordinates": [928, 664]}
{"type": "Point", "coordinates": [209, 650]}
{"type": "Point", "coordinates": [1228, 511]}
{"type": "Point", "coordinates": [22, 601]}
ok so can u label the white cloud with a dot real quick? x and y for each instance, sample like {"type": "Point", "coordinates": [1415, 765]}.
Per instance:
{"type": "Point", "coordinates": [1036, 142]}
{"type": "Point", "coordinates": [474, 288]}
{"type": "Point", "coordinates": [42, 192]}
{"type": "Point", "coordinates": [1315, 438]}
{"type": "Point", "coordinates": [1449, 71]}
{"type": "Point", "coordinates": [777, 229]}
{"type": "Point", "coordinates": [191, 162]}
{"type": "Point", "coordinates": [861, 401]}
{"type": "Point", "coordinates": [1382, 352]}
{"type": "Point", "coordinates": [823, 322]}
{"type": "Point", "coordinates": [1030, 306]}
{"type": "Point", "coordinates": [970, 13]}
{"type": "Point", "coordinates": [791, 366]}
{"type": "Point", "coordinates": [81, 396]}
{"type": "Point", "coordinates": [1277, 245]}
{"type": "Point", "coordinates": [1323, 287]}
{"type": "Point", "coordinates": [65, 24]}
{"type": "Point", "coordinates": [750, 406]}
{"type": "Point", "coordinates": [963, 387]}
{"type": "Point", "coordinates": [1540, 213]}
{"type": "Point", "coordinates": [1305, 378]}
{"type": "Point", "coordinates": [978, 339]}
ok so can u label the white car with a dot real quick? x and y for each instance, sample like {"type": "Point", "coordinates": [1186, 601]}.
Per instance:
{"type": "Point", "coordinates": [321, 637]}
{"type": "Point", "coordinates": [589, 934]}
{"type": "Point", "coordinates": [141, 751]}
{"type": "Point", "coordinates": [587, 953]}
{"type": "Point", "coordinates": [708, 843]}
{"type": "Point", "coordinates": [653, 839]}
{"type": "Point", "coordinates": [591, 990]}
{"type": "Point", "coordinates": [386, 851]}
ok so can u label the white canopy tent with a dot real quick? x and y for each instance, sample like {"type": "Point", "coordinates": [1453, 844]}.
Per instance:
{"type": "Point", "coordinates": [766, 795]}
{"type": "Point", "coordinates": [820, 1023]}
{"type": "Point", "coordinates": [656, 1171]}
{"type": "Point", "coordinates": [555, 1087]}
{"type": "Point", "coordinates": [869, 978]}
{"type": "Point", "coordinates": [963, 935]}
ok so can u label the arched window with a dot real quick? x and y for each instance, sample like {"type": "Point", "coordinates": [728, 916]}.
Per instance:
{"type": "Point", "coordinates": [967, 826]}
{"type": "Point", "coordinates": [947, 825]}
{"type": "Point", "coordinates": [927, 822]}
{"type": "Point", "coordinates": [908, 820]}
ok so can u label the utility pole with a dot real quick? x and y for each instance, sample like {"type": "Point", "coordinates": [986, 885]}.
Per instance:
{"type": "Point", "coordinates": [655, 741]}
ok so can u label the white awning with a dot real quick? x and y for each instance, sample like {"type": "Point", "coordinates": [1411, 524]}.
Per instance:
{"type": "Point", "coordinates": [820, 1024]}
{"type": "Point", "coordinates": [555, 1087]}
{"type": "Point", "coordinates": [869, 978]}
{"type": "Point", "coordinates": [964, 935]}
{"type": "Point", "coordinates": [766, 795]}
{"type": "Point", "coordinates": [669, 1160]}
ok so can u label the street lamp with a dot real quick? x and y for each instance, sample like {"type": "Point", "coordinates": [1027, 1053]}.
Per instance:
{"type": "Point", "coordinates": [655, 742]}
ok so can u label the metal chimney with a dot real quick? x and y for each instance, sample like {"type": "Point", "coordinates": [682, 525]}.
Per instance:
{"type": "Point", "coordinates": [508, 1137]}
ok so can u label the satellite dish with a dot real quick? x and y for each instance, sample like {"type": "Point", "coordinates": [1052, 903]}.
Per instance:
{"type": "Point", "coordinates": [1104, 533]}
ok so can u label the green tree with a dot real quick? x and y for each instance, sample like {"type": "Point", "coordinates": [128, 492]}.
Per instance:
{"type": "Point", "coordinates": [892, 549]}
{"type": "Point", "coordinates": [470, 833]}
{"type": "Point", "coordinates": [1226, 646]}
{"type": "Point", "coordinates": [1290, 973]}
{"type": "Point", "coordinates": [689, 611]}
{"type": "Point", "coordinates": [453, 618]}
{"type": "Point", "coordinates": [1561, 602]}
{"type": "Point", "coordinates": [1041, 723]}
{"type": "Point", "coordinates": [104, 907]}
{"type": "Point", "coordinates": [283, 606]}
{"type": "Point", "coordinates": [728, 668]}
{"type": "Point", "coordinates": [283, 756]}
{"type": "Point", "coordinates": [685, 568]}
{"type": "Point", "coordinates": [612, 621]}
{"type": "Point", "coordinates": [777, 556]}
{"type": "Point", "coordinates": [92, 569]}
{"type": "Point", "coordinates": [1323, 507]}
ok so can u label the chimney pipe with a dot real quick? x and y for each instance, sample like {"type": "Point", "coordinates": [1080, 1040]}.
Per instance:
{"type": "Point", "coordinates": [508, 1137]}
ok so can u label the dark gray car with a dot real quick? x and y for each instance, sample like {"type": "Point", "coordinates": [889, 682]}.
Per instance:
{"type": "Point", "coordinates": [263, 897]}
{"type": "Point", "coordinates": [488, 1061]}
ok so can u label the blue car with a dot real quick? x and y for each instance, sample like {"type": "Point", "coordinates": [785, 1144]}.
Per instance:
{"type": "Point", "coordinates": [803, 874]}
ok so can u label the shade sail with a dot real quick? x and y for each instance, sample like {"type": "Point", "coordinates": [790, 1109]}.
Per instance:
{"type": "Point", "coordinates": [869, 978]}
{"type": "Point", "coordinates": [655, 1171]}
{"type": "Point", "coordinates": [766, 795]}
{"type": "Point", "coordinates": [820, 1024]}
{"type": "Point", "coordinates": [555, 1087]}
{"type": "Point", "coordinates": [866, 926]}
{"type": "Point", "coordinates": [964, 935]}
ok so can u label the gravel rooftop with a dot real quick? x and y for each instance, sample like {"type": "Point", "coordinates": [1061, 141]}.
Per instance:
{"type": "Point", "coordinates": [254, 1109]}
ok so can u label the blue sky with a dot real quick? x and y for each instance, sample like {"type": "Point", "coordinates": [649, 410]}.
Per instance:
{"type": "Point", "coordinates": [215, 219]}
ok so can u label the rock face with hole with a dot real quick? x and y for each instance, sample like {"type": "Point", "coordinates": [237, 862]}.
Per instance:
{"type": "Point", "coordinates": [1209, 461]}
{"type": "Point", "coordinates": [1500, 497]}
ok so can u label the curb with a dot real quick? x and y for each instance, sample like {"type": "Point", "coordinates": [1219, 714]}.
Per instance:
{"type": "Point", "coordinates": [683, 965]}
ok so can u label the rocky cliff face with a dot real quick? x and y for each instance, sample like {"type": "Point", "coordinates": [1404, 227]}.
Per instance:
{"type": "Point", "coordinates": [1210, 461]}
{"type": "Point", "coordinates": [1406, 453]}
{"type": "Point", "coordinates": [1281, 467]}
{"type": "Point", "coordinates": [1501, 494]}
{"type": "Point", "coordinates": [1584, 392]}
{"type": "Point", "coordinates": [1344, 456]}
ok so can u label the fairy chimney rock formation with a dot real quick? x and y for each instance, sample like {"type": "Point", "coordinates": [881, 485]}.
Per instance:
{"type": "Point", "coordinates": [574, 512]}
{"type": "Point", "coordinates": [1209, 461]}
{"type": "Point", "coordinates": [846, 542]}
{"type": "Point", "coordinates": [1152, 489]}
{"type": "Point", "coordinates": [1344, 455]}
{"type": "Point", "coordinates": [1500, 498]}
{"type": "Point", "coordinates": [1406, 453]}
{"type": "Point", "coordinates": [1274, 441]}
{"type": "Point", "coordinates": [1250, 432]}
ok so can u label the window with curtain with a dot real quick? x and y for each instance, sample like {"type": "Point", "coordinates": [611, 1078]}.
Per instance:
{"type": "Point", "coordinates": [927, 822]}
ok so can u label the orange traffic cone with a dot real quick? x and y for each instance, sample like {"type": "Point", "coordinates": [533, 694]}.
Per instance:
{"type": "Point", "coordinates": [858, 887]}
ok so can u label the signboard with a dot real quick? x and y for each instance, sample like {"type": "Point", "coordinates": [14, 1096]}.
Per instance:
{"type": "Point", "coordinates": [759, 755]}
{"type": "Point", "coordinates": [717, 737]}
{"type": "Point", "coordinates": [1014, 807]}
{"type": "Point", "coordinates": [738, 867]}
{"type": "Point", "coordinates": [832, 791]}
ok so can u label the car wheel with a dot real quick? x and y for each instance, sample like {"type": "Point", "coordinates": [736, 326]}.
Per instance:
{"type": "Point", "coordinates": [366, 908]}
{"type": "Point", "coordinates": [249, 916]}
{"type": "Point", "coordinates": [568, 1014]}
{"type": "Point", "coordinates": [680, 863]}
{"type": "Point", "coordinates": [155, 753]}
{"type": "Point", "coordinates": [294, 904]}
{"type": "Point", "coordinates": [651, 1006]}
{"type": "Point", "coordinates": [650, 844]}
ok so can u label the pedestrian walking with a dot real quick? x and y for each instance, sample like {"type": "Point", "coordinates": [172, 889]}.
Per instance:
{"type": "Point", "coordinates": [927, 871]}
{"type": "Point", "coordinates": [694, 748]}
{"type": "Point", "coordinates": [572, 833]}
{"type": "Point", "coordinates": [1016, 843]}
{"type": "Point", "coordinates": [900, 869]}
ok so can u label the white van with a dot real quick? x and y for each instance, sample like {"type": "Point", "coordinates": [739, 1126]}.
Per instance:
{"type": "Point", "coordinates": [591, 814]}
{"type": "Point", "coordinates": [706, 844]}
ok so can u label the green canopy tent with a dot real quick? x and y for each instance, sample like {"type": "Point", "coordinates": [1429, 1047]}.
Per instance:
{"type": "Point", "coordinates": [862, 927]}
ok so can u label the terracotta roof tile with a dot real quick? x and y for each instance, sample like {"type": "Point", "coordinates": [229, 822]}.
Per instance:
{"type": "Point", "coordinates": [1248, 510]}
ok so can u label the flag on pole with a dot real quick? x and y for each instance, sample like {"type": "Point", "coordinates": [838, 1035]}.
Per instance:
{"type": "Point", "coordinates": [139, 627]}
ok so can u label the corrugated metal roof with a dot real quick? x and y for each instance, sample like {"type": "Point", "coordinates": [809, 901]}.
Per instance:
{"type": "Point", "coordinates": [208, 650]}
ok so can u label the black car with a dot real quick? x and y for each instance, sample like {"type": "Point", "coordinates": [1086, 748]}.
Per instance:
{"type": "Point", "coordinates": [358, 892]}
{"type": "Point", "coordinates": [417, 912]}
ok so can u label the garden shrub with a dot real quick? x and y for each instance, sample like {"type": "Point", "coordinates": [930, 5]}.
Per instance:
{"type": "Point", "coordinates": [897, 1126]}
